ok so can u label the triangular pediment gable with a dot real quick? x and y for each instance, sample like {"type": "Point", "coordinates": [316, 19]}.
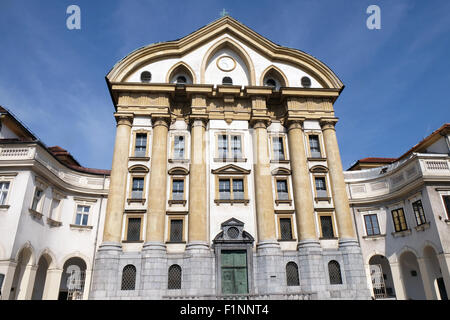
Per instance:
{"type": "Point", "coordinates": [225, 25]}
{"type": "Point", "coordinates": [232, 222]}
{"type": "Point", "coordinates": [230, 169]}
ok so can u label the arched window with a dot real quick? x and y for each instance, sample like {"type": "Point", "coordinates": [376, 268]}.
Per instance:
{"type": "Point", "coordinates": [146, 76]}
{"type": "Point", "coordinates": [334, 271]}
{"type": "Point", "coordinates": [227, 80]}
{"type": "Point", "coordinates": [292, 274]}
{"type": "Point", "coordinates": [128, 277]}
{"type": "Point", "coordinates": [174, 279]}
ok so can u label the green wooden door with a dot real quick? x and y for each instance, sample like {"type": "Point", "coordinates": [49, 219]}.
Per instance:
{"type": "Point", "coordinates": [234, 272]}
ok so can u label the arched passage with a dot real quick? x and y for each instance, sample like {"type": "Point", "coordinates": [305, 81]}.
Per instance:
{"type": "Point", "coordinates": [22, 285]}
{"type": "Point", "coordinates": [381, 277]}
{"type": "Point", "coordinates": [412, 278]}
{"type": "Point", "coordinates": [73, 279]}
{"type": "Point", "coordinates": [41, 276]}
{"type": "Point", "coordinates": [434, 274]}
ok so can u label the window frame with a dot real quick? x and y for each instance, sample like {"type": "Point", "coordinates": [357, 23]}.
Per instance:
{"type": "Point", "coordinates": [141, 230]}
{"type": "Point", "coordinates": [169, 228]}
{"type": "Point", "coordinates": [83, 202]}
{"type": "Point", "coordinates": [231, 200]}
{"type": "Point", "coordinates": [229, 156]}
{"type": "Point", "coordinates": [5, 198]}
{"type": "Point", "coordinates": [279, 201]}
{"type": "Point", "coordinates": [404, 218]}
{"type": "Point", "coordinates": [290, 217]}
{"type": "Point", "coordinates": [333, 225]}
{"type": "Point", "coordinates": [419, 215]}
{"type": "Point", "coordinates": [281, 136]}
{"type": "Point", "coordinates": [173, 136]}
{"type": "Point", "coordinates": [327, 189]}
{"type": "Point", "coordinates": [133, 150]}
{"type": "Point", "coordinates": [371, 222]}
{"type": "Point", "coordinates": [171, 200]}
{"type": "Point", "coordinates": [132, 176]}
{"type": "Point", "coordinates": [321, 145]}
{"type": "Point", "coordinates": [40, 184]}
{"type": "Point", "coordinates": [446, 208]}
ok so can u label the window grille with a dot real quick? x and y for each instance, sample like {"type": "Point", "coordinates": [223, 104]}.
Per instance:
{"type": "Point", "coordinates": [314, 146]}
{"type": "Point", "coordinates": [141, 145]}
{"type": "Point", "coordinates": [176, 230]}
{"type": "Point", "coordinates": [138, 188]}
{"type": "Point", "coordinates": [292, 274]}
{"type": "Point", "coordinates": [334, 271]}
{"type": "Point", "coordinates": [134, 229]}
{"type": "Point", "coordinates": [75, 285]}
{"type": "Point", "coordinates": [233, 232]}
{"type": "Point", "coordinates": [327, 227]}
{"type": "Point", "coordinates": [285, 229]}
{"type": "Point", "coordinates": [174, 277]}
{"type": "Point", "coordinates": [372, 227]}
{"type": "Point", "coordinates": [128, 277]}
{"type": "Point", "coordinates": [418, 212]}
{"type": "Point", "coordinates": [4, 187]}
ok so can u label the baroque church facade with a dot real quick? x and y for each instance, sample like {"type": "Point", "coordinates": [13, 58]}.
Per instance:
{"type": "Point", "coordinates": [226, 180]}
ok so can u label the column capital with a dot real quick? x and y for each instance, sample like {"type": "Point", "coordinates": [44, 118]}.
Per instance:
{"type": "Point", "coordinates": [294, 123]}
{"type": "Point", "coordinates": [160, 121]}
{"type": "Point", "coordinates": [198, 120]}
{"type": "Point", "coordinates": [124, 118]}
{"type": "Point", "coordinates": [328, 123]}
{"type": "Point", "coordinates": [257, 123]}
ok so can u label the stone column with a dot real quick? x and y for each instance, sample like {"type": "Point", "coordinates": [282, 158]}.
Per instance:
{"type": "Point", "coordinates": [157, 197]}
{"type": "Point", "coordinates": [52, 284]}
{"type": "Point", "coordinates": [427, 279]}
{"type": "Point", "coordinates": [118, 182]}
{"type": "Point", "coordinates": [398, 281]}
{"type": "Point", "coordinates": [340, 197]}
{"type": "Point", "coordinates": [444, 264]}
{"type": "Point", "coordinates": [263, 185]}
{"type": "Point", "coordinates": [302, 193]}
{"type": "Point", "coordinates": [198, 227]}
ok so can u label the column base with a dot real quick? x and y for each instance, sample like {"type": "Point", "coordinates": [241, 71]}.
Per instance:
{"type": "Point", "coordinates": [114, 248]}
{"type": "Point", "coordinates": [309, 244]}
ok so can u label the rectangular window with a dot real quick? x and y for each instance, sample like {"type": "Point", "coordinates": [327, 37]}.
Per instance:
{"type": "Point", "coordinates": [236, 148]}
{"type": "Point", "coordinates": [134, 229]}
{"type": "Point", "coordinates": [314, 146]}
{"type": "Point", "coordinates": [223, 146]}
{"type": "Point", "coordinates": [36, 199]}
{"type": "Point", "coordinates": [141, 145]}
{"type": "Point", "coordinates": [82, 216]}
{"type": "Point", "coordinates": [278, 148]}
{"type": "Point", "coordinates": [176, 230]}
{"type": "Point", "coordinates": [238, 189]}
{"type": "Point", "coordinates": [371, 222]}
{"type": "Point", "coordinates": [224, 189]}
{"type": "Point", "coordinates": [179, 147]}
{"type": "Point", "coordinates": [399, 220]}
{"type": "Point", "coordinates": [447, 205]}
{"type": "Point", "coordinates": [177, 189]}
{"type": "Point", "coordinates": [282, 190]}
{"type": "Point", "coordinates": [285, 229]}
{"type": "Point", "coordinates": [4, 187]}
{"type": "Point", "coordinates": [321, 187]}
{"type": "Point", "coordinates": [418, 212]}
{"type": "Point", "coordinates": [54, 209]}
{"type": "Point", "coordinates": [138, 188]}
{"type": "Point", "coordinates": [326, 224]}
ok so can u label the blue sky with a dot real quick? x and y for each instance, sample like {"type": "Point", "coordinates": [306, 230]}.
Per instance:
{"type": "Point", "coordinates": [397, 78]}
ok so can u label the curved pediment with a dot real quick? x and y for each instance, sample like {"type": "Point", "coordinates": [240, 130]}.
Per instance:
{"type": "Point", "coordinates": [226, 32]}
{"type": "Point", "coordinates": [281, 172]}
{"type": "Point", "coordinates": [319, 169]}
{"type": "Point", "coordinates": [230, 169]}
{"type": "Point", "coordinates": [178, 171]}
{"type": "Point", "coordinates": [138, 168]}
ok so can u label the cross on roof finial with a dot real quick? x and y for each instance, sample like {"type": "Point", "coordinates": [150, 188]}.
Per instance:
{"type": "Point", "coordinates": [224, 13]}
